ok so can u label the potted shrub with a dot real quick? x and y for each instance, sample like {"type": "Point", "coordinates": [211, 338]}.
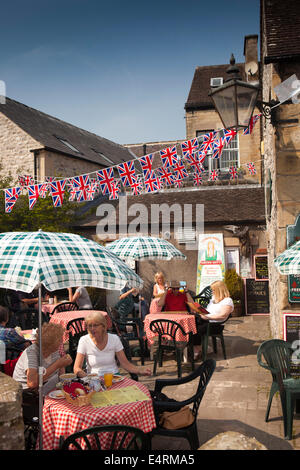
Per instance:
{"type": "Point", "coordinates": [235, 286]}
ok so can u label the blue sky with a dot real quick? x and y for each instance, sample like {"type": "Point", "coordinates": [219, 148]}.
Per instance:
{"type": "Point", "coordinates": [120, 69]}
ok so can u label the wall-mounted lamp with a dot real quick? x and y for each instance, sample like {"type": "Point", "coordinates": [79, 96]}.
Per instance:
{"type": "Point", "coordinates": [235, 100]}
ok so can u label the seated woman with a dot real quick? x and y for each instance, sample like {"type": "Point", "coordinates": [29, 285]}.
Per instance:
{"type": "Point", "coordinates": [26, 369]}
{"type": "Point", "coordinates": [10, 337]}
{"type": "Point", "coordinates": [100, 350]}
{"type": "Point", "coordinates": [81, 297]}
{"type": "Point", "coordinates": [219, 308]}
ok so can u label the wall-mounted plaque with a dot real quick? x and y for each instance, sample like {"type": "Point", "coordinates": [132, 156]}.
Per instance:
{"type": "Point", "coordinates": [261, 267]}
{"type": "Point", "coordinates": [291, 334]}
{"type": "Point", "coordinates": [257, 296]}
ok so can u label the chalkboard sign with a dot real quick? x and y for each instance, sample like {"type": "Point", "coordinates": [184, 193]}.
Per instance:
{"type": "Point", "coordinates": [291, 331]}
{"type": "Point", "coordinates": [257, 296]}
{"type": "Point", "coordinates": [261, 268]}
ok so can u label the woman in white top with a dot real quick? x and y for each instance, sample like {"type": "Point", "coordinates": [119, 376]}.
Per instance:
{"type": "Point", "coordinates": [219, 308]}
{"type": "Point", "coordinates": [81, 297]}
{"type": "Point", "coordinates": [158, 291]}
{"type": "Point", "coordinates": [100, 350]}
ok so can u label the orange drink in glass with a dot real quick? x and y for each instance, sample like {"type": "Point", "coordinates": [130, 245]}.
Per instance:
{"type": "Point", "coordinates": [108, 377]}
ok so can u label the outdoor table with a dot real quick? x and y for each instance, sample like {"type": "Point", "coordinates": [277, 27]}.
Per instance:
{"type": "Point", "coordinates": [63, 318]}
{"type": "Point", "coordinates": [186, 320]}
{"type": "Point", "coordinates": [61, 418]}
{"type": "Point", "coordinates": [48, 308]}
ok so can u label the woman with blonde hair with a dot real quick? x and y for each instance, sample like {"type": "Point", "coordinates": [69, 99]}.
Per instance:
{"type": "Point", "coordinates": [158, 292]}
{"type": "Point", "coordinates": [100, 350]}
{"type": "Point", "coordinates": [219, 309]}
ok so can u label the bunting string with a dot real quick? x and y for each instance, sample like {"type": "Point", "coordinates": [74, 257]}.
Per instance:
{"type": "Point", "coordinates": [175, 169]}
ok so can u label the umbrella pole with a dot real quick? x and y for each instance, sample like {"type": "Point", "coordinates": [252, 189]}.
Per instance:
{"type": "Point", "coordinates": [41, 369]}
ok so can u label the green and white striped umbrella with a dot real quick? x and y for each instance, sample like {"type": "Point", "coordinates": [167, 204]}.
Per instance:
{"type": "Point", "coordinates": [59, 260]}
{"type": "Point", "coordinates": [288, 262]}
{"type": "Point", "coordinates": [142, 248]}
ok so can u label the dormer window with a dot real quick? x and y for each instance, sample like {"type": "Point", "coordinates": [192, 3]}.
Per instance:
{"type": "Point", "coordinates": [216, 81]}
{"type": "Point", "coordinates": [108, 160]}
{"type": "Point", "coordinates": [65, 142]}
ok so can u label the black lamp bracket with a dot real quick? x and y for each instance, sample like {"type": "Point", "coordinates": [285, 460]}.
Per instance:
{"type": "Point", "coordinates": [267, 109]}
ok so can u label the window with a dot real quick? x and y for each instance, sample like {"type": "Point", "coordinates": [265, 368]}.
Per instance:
{"type": "Point", "coordinates": [229, 157]}
{"type": "Point", "coordinates": [108, 160]}
{"type": "Point", "coordinates": [216, 81]}
{"type": "Point", "coordinates": [232, 257]}
{"type": "Point", "coordinates": [65, 142]}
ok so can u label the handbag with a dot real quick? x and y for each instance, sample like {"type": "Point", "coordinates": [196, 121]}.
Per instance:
{"type": "Point", "coordinates": [177, 419]}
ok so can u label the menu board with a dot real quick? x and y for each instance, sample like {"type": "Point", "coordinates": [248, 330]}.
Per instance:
{"type": "Point", "coordinates": [257, 296]}
{"type": "Point", "coordinates": [261, 268]}
{"type": "Point", "coordinates": [291, 331]}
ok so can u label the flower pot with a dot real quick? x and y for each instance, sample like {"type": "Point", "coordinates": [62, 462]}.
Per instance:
{"type": "Point", "coordinates": [238, 310]}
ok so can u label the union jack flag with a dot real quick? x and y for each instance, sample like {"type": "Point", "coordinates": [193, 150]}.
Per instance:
{"type": "Point", "coordinates": [106, 179]}
{"type": "Point", "coordinates": [180, 171]}
{"type": "Point", "coordinates": [228, 135]}
{"type": "Point", "coordinates": [115, 188]}
{"type": "Point", "coordinates": [251, 168]}
{"type": "Point", "coordinates": [33, 194]}
{"type": "Point", "coordinates": [218, 148]}
{"type": "Point", "coordinates": [73, 194]}
{"type": "Point", "coordinates": [81, 184]}
{"type": "Point", "coordinates": [233, 172]}
{"type": "Point", "coordinates": [127, 172]}
{"type": "Point", "coordinates": [195, 163]}
{"type": "Point", "coordinates": [137, 186]}
{"type": "Point", "coordinates": [44, 190]}
{"type": "Point", "coordinates": [26, 180]}
{"type": "Point", "coordinates": [189, 147]}
{"type": "Point", "coordinates": [214, 175]}
{"type": "Point", "coordinates": [165, 175]}
{"type": "Point", "coordinates": [201, 156]}
{"type": "Point", "coordinates": [91, 191]}
{"type": "Point", "coordinates": [11, 196]}
{"type": "Point", "coordinates": [151, 183]}
{"type": "Point", "coordinates": [208, 140]}
{"type": "Point", "coordinates": [57, 189]}
{"type": "Point", "coordinates": [146, 164]}
{"type": "Point", "coordinates": [169, 156]}
{"type": "Point", "coordinates": [252, 123]}
{"type": "Point", "coordinates": [178, 183]}
{"type": "Point", "coordinates": [197, 179]}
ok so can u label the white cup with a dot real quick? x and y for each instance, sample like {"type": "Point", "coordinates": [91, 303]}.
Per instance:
{"type": "Point", "coordinates": [51, 300]}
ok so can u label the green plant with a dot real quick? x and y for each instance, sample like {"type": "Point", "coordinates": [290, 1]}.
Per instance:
{"type": "Point", "coordinates": [235, 285]}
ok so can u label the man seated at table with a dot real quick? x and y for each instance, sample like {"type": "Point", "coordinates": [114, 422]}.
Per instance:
{"type": "Point", "coordinates": [175, 298]}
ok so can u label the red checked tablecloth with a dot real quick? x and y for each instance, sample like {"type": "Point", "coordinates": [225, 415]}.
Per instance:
{"type": "Point", "coordinates": [184, 319]}
{"type": "Point", "coordinates": [60, 418]}
{"type": "Point", "coordinates": [63, 318]}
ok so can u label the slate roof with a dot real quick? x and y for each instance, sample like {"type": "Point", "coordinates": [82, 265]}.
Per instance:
{"type": "Point", "coordinates": [281, 25]}
{"type": "Point", "coordinates": [220, 205]}
{"type": "Point", "coordinates": [198, 96]}
{"type": "Point", "coordinates": [45, 129]}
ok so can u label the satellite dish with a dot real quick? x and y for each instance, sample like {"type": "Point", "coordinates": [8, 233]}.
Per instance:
{"type": "Point", "coordinates": [251, 68]}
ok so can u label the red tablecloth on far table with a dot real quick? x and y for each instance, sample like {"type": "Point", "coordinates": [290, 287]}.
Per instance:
{"type": "Point", "coordinates": [63, 318]}
{"type": "Point", "coordinates": [186, 320]}
{"type": "Point", "coordinates": [61, 418]}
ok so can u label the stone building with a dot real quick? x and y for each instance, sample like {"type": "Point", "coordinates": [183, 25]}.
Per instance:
{"type": "Point", "coordinates": [34, 143]}
{"type": "Point", "coordinates": [280, 57]}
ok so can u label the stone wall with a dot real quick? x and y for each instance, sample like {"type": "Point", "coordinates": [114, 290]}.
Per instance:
{"type": "Point", "coordinates": [11, 420]}
{"type": "Point", "coordinates": [282, 160]}
{"type": "Point", "coordinates": [15, 149]}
